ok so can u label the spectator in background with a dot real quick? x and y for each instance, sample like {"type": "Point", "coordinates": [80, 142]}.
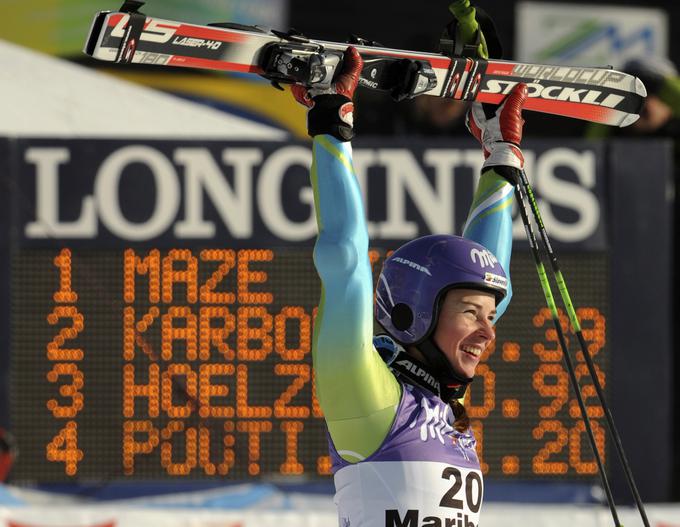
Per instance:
{"type": "Point", "coordinates": [433, 116]}
{"type": "Point", "coordinates": [7, 453]}
{"type": "Point", "coordinates": [660, 115]}
{"type": "Point", "coordinates": [423, 116]}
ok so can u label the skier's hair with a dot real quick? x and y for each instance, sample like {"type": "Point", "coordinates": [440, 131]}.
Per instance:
{"type": "Point", "coordinates": [462, 421]}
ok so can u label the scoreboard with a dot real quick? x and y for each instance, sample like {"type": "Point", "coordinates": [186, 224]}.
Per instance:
{"type": "Point", "coordinates": [162, 299]}
{"type": "Point", "coordinates": [196, 364]}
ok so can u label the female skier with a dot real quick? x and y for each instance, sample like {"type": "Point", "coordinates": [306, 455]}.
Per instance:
{"type": "Point", "coordinates": [400, 455]}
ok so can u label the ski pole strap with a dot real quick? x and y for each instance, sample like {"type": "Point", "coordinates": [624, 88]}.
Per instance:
{"type": "Point", "coordinates": [133, 31]}
{"type": "Point", "coordinates": [453, 44]}
{"type": "Point", "coordinates": [456, 40]}
{"type": "Point", "coordinates": [488, 29]}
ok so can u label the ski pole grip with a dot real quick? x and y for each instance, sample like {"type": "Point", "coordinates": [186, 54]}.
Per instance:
{"type": "Point", "coordinates": [467, 21]}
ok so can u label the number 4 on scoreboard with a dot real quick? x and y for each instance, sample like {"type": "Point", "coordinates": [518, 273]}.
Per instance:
{"type": "Point", "coordinates": [64, 448]}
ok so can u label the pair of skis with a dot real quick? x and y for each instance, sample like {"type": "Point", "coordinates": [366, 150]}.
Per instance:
{"type": "Point", "coordinates": [127, 36]}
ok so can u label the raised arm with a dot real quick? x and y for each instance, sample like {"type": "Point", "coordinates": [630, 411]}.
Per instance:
{"type": "Point", "coordinates": [489, 221]}
{"type": "Point", "coordinates": [356, 390]}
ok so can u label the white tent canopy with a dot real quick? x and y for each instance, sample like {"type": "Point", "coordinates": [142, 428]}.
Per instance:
{"type": "Point", "coordinates": [44, 96]}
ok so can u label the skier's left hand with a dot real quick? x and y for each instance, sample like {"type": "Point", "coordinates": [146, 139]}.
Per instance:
{"type": "Point", "coordinates": [332, 110]}
{"type": "Point", "coordinates": [499, 129]}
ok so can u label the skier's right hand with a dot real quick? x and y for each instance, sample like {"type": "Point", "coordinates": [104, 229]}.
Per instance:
{"type": "Point", "coordinates": [331, 111]}
{"type": "Point", "coordinates": [499, 129]}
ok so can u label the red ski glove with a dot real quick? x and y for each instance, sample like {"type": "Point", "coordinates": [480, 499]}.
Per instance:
{"type": "Point", "coordinates": [332, 110]}
{"type": "Point", "coordinates": [501, 132]}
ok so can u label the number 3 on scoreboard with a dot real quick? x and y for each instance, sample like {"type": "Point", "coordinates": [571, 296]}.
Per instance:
{"type": "Point", "coordinates": [473, 490]}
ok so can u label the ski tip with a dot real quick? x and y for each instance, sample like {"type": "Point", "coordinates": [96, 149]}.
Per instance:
{"type": "Point", "coordinates": [640, 88]}
{"type": "Point", "coordinates": [629, 119]}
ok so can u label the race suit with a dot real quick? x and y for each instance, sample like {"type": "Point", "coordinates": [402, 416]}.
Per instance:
{"type": "Point", "coordinates": [397, 460]}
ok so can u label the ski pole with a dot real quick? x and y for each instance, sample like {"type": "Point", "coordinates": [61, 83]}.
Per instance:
{"type": "Point", "coordinates": [550, 301]}
{"type": "Point", "coordinates": [465, 15]}
{"type": "Point", "coordinates": [571, 312]}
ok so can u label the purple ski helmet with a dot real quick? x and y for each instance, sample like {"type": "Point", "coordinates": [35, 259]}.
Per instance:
{"type": "Point", "coordinates": [416, 275]}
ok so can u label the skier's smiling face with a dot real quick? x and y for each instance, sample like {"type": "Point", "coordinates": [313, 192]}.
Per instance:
{"type": "Point", "coordinates": [465, 328]}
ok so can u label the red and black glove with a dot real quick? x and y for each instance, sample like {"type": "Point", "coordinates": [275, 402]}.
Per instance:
{"type": "Point", "coordinates": [332, 110]}
{"type": "Point", "coordinates": [499, 129]}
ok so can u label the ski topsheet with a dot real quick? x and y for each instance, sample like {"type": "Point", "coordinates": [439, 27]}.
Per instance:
{"type": "Point", "coordinates": [599, 95]}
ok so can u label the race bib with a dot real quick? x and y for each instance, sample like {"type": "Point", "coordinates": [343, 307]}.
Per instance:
{"type": "Point", "coordinates": [408, 494]}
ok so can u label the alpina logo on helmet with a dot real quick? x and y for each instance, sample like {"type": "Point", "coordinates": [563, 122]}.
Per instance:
{"type": "Point", "coordinates": [413, 265]}
{"type": "Point", "coordinates": [486, 259]}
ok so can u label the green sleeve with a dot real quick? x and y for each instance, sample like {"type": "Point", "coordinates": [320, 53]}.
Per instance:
{"type": "Point", "coordinates": [357, 392]}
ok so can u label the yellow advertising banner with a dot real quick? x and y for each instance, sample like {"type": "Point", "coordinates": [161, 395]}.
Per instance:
{"type": "Point", "coordinates": [59, 27]}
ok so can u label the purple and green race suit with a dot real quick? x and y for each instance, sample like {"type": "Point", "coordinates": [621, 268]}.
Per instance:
{"type": "Point", "coordinates": [397, 459]}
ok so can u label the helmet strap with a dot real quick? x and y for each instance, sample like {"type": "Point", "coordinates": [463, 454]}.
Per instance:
{"type": "Point", "coordinates": [415, 372]}
{"type": "Point", "coordinates": [405, 365]}
{"type": "Point", "coordinates": [452, 385]}
{"type": "Point", "coordinates": [435, 375]}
